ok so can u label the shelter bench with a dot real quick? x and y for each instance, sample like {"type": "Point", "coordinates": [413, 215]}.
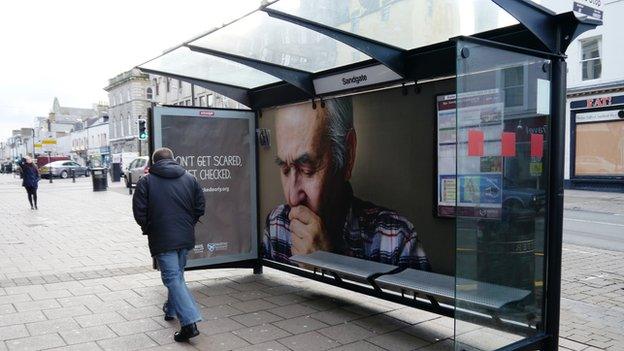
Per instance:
{"type": "Point", "coordinates": [485, 297]}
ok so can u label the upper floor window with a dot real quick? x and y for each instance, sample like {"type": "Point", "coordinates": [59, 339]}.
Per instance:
{"type": "Point", "coordinates": [156, 86]}
{"type": "Point", "coordinates": [513, 83]}
{"type": "Point", "coordinates": [179, 84]}
{"type": "Point", "coordinates": [591, 58]}
{"type": "Point", "coordinates": [149, 94]}
{"type": "Point", "coordinates": [168, 82]}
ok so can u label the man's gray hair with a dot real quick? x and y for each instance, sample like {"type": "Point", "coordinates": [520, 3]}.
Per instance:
{"type": "Point", "coordinates": [340, 122]}
{"type": "Point", "coordinates": [162, 154]}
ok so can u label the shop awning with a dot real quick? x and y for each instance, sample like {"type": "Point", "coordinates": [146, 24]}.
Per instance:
{"type": "Point", "coordinates": [283, 51]}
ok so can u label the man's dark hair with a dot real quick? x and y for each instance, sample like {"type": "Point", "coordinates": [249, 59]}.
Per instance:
{"type": "Point", "coordinates": [162, 154]}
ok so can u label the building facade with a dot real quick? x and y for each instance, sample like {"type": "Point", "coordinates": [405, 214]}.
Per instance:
{"type": "Point", "coordinates": [595, 107]}
{"type": "Point", "coordinates": [169, 91]}
{"type": "Point", "coordinates": [89, 142]}
{"type": "Point", "coordinates": [129, 99]}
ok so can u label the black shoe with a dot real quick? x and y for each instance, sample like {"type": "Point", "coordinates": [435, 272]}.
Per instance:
{"type": "Point", "coordinates": [32, 207]}
{"type": "Point", "coordinates": [167, 318]}
{"type": "Point", "coordinates": [186, 332]}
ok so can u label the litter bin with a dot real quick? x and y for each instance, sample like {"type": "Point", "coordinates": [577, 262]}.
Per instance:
{"type": "Point", "coordinates": [506, 250]}
{"type": "Point", "coordinates": [116, 172]}
{"type": "Point", "coordinates": [100, 179]}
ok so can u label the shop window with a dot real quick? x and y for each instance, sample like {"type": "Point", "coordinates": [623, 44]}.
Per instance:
{"type": "Point", "coordinates": [600, 148]}
{"type": "Point", "coordinates": [591, 61]}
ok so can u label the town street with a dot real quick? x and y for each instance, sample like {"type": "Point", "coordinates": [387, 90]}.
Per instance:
{"type": "Point", "coordinates": [594, 219]}
{"type": "Point", "coordinates": [76, 275]}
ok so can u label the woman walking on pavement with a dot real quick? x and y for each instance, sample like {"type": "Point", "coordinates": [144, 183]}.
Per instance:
{"type": "Point", "coordinates": [30, 180]}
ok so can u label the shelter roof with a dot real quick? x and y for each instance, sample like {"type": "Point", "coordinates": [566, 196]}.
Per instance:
{"type": "Point", "coordinates": [277, 53]}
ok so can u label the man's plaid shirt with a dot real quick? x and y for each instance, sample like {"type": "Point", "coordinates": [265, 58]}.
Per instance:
{"type": "Point", "coordinates": [370, 232]}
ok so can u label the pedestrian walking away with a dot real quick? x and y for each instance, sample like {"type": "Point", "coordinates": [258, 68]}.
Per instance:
{"type": "Point", "coordinates": [167, 204]}
{"type": "Point", "coordinates": [30, 180]}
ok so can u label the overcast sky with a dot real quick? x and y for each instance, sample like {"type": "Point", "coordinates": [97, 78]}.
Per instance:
{"type": "Point", "coordinates": [70, 48]}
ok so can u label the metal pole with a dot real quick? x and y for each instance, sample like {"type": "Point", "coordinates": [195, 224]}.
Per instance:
{"type": "Point", "coordinates": [129, 182]}
{"type": "Point", "coordinates": [49, 166]}
{"type": "Point", "coordinates": [555, 200]}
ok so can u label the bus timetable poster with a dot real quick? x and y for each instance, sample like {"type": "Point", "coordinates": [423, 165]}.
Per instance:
{"type": "Point", "coordinates": [469, 185]}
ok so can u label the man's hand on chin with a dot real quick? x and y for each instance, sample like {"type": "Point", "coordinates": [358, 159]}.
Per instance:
{"type": "Point", "coordinates": [307, 232]}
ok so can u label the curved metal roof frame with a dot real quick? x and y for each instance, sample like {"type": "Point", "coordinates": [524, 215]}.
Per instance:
{"type": "Point", "coordinates": [540, 30]}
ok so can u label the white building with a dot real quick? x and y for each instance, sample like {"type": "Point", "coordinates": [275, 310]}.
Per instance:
{"type": "Point", "coordinates": [169, 91]}
{"type": "Point", "coordinates": [89, 141]}
{"type": "Point", "coordinates": [595, 108]}
{"type": "Point", "coordinates": [129, 99]}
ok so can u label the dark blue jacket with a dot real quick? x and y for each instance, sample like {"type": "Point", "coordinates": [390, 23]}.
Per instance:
{"type": "Point", "coordinates": [30, 175]}
{"type": "Point", "coordinates": [167, 204]}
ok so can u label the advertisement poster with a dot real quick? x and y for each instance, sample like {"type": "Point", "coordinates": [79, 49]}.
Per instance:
{"type": "Point", "coordinates": [329, 183]}
{"type": "Point", "coordinates": [218, 149]}
{"type": "Point", "coordinates": [480, 165]}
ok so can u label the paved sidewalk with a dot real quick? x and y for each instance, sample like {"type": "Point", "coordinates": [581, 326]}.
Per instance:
{"type": "Point", "coordinates": [76, 275]}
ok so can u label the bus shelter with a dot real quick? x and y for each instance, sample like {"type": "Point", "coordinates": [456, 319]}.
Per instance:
{"type": "Point", "coordinates": [410, 150]}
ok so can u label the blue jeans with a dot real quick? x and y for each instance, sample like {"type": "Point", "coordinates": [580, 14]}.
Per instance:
{"type": "Point", "coordinates": [180, 301]}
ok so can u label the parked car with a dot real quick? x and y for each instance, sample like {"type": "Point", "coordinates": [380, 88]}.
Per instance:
{"type": "Point", "coordinates": [63, 169]}
{"type": "Point", "coordinates": [524, 198]}
{"type": "Point", "coordinates": [137, 168]}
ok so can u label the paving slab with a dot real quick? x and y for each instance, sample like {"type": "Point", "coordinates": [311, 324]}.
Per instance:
{"type": "Point", "coordinates": [100, 293]}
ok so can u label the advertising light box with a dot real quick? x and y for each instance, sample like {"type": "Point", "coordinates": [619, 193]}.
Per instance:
{"type": "Point", "coordinates": [218, 148]}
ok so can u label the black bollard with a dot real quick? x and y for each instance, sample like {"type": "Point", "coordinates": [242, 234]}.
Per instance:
{"type": "Point", "coordinates": [50, 173]}
{"type": "Point", "coordinates": [73, 175]}
{"type": "Point", "coordinates": [130, 183]}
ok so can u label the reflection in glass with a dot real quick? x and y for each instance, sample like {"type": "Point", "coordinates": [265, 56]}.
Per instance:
{"type": "Point", "coordinates": [501, 203]}
{"type": "Point", "coordinates": [184, 62]}
{"type": "Point", "coordinates": [265, 38]}
{"type": "Point", "coordinates": [406, 24]}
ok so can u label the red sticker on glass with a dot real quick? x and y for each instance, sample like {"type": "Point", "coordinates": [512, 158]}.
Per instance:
{"type": "Point", "coordinates": [508, 141]}
{"type": "Point", "coordinates": [537, 145]}
{"type": "Point", "coordinates": [475, 142]}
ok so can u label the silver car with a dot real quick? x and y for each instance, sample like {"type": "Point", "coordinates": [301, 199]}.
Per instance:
{"type": "Point", "coordinates": [137, 168]}
{"type": "Point", "coordinates": [63, 169]}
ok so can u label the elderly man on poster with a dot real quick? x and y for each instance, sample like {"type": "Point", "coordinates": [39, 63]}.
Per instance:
{"type": "Point", "coordinates": [316, 151]}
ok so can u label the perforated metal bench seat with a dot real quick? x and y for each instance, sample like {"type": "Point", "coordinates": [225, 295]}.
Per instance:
{"type": "Point", "coordinates": [352, 268]}
{"type": "Point", "coordinates": [440, 287]}
{"type": "Point", "coordinates": [490, 296]}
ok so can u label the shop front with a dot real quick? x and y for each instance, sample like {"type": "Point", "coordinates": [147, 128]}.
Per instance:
{"type": "Point", "coordinates": [596, 158]}
{"type": "Point", "coordinates": [420, 162]}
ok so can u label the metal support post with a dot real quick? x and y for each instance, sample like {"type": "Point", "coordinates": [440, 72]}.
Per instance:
{"type": "Point", "coordinates": [257, 269]}
{"type": "Point", "coordinates": [555, 200]}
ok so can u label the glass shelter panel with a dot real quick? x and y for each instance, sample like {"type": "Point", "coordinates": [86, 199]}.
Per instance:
{"type": "Point", "coordinates": [502, 122]}
{"type": "Point", "coordinates": [265, 38]}
{"type": "Point", "coordinates": [184, 62]}
{"type": "Point", "coordinates": [406, 24]}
